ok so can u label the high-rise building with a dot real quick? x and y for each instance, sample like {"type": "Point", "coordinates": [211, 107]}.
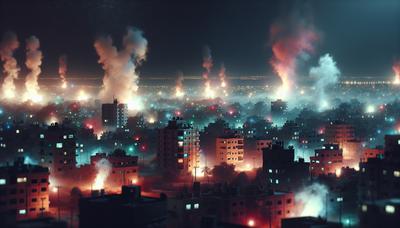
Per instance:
{"type": "Point", "coordinates": [282, 172]}
{"type": "Point", "coordinates": [328, 160]}
{"type": "Point", "coordinates": [339, 133]}
{"type": "Point", "coordinates": [58, 149]}
{"type": "Point", "coordinates": [178, 148]}
{"type": "Point", "coordinates": [229, 149]}
{"type": "Point", "coordinates": [24, 190]}
{"type": "Point", "coordinates": [114, 115]}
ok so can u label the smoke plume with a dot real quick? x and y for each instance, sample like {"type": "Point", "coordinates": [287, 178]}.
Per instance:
{"type": "Point", "coordinates": [312, 200]}
{"type": "Point", "coordinates": [62, 70]}
{"type": "Point", "coordinates": [396, 69]}
{"type": "Point", "coordinates": [103, 167]}
{"type": "Point", "coordinates": [222, 76]}
{"type": "Point", "coordinates": [121, 79]}
{"type": "Point", "coordinates": [325, 74]}
{"type": "Point", "coordinates": [207, 65]}
{"type": "Point", "coordinates": [33, 62]}
{"type": "Point", "coordinates": [290, 41]}
{"type": "Point", "coordinates": [179, 93]}
{"type": "Point", "coordinates": [7, 47]}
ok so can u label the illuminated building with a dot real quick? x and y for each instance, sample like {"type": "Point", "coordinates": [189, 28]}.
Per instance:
{"type": "Point", "coordinates": [308, 222]}
{"type": "Point", "coordinates": [24, 190]}
{"type": "Point", "coordinates": [58, 149]}
{"type": "Point", "coordinates": [231, 206]}
{"type": "Point", "coordinates": [378, 213]}
{"type": "Point", "coordinates": [339, 133]}
{"type": "Point", "coordinates": [282, 172]}
{"type": "Point", "coordinates": [124, 169]}
{"type": "Point", "coordinates": [229, 150]}
{"type": "Point", "coordinates": [114, 115]}
{"type": "Point", "coordinates": [178, 148]}
{"type": "Point", "coordinates": [328, 160]}
{"type": "Point", "coordinates": [371, 153]}
{"type": "Point", "coordinates": [128, 209]}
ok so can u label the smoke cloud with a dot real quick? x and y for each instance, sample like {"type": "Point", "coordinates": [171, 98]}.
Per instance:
{"type": "Point", "coordinates": [121, 79]}
{"type": "Point", "coordinates": [207, 65]}
{"type": "Point", "coordinates": [396, 69]}
{"type": "Point", "coordinates": [325, 74]}
{"type": "Point", "coordinates": [33, 63]}
{"type": "Point", "coordinates": [62, 70]}
{"type": "Point", "coordinates": [103, 167]}
{"type": "Point", "coordinates": [179, 93]}
{"type": "Point", "coordinates": [290, 41]}
{"type": "Point", "coordinates": [8, 45]}
{"type": "Point", "coordinates": [312, 199]}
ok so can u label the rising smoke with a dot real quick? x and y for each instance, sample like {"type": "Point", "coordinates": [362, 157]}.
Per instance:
{"type": "Point", "coordinates": [62, 70]}
{"type": "Point", "coordinates": [311, 200]}
{"type": "Point", "coordinates": [396, 70]}
{"type": "Point", "coordinates": [291, 40]}
{"type": "Point", "coordinates": [325, 74]}
{"type": "Point", "coordinates": [121, 79]}
{"type": "Point", "coordinates": [179, 93]}
{"type": "Point", "coordinates": [33, 63]}
{"type": "Point", "coordinates": [207, 65]}
{"type": "Point", "coordinates": [103, 167]}
{"type": "Point", "coordinates": [7, 47]}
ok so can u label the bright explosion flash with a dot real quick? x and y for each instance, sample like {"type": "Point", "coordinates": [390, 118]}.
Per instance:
{"type": "Point", "coordinates": [103, 167]}
{"type": "Point", "coordinates": [312, 200]}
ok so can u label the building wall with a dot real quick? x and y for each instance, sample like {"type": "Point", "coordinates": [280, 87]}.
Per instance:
{"type": "Point", "coordinates": [230, 150]}
{"type": "Point", "coordinates": [328, 160]}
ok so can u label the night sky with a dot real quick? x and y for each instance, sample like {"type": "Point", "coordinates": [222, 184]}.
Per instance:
{"type": "Point", "coordinates": [362, 35]}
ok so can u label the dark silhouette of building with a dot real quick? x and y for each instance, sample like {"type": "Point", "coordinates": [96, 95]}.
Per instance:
{"type": "Point", "coordinates": [128, 209]}
{"type": "Point", "coordinates": [114, 115]}
{"type": "Point", "coordinates": [278, 107]}
{"type": "Point", "coordinates": [308, 222]}
{"type": "Point", "coordinates": [380, 213]}
{"type": "Point", "coordinates": [282, 172]}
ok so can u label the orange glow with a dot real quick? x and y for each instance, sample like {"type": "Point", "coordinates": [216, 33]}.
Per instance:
{"type": "Point", "coordinates": [251, 223]}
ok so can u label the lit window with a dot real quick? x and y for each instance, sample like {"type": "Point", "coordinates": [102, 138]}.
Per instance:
{"type": "Point", "coordinates": [390, 209]}
{"type": "Point", "coordinates": [180, 160]}
{"type": "Point", "coordinates": [65, 153]}
{"type": "Point", "coordinates": [396, 173]}
{"type": "Point", "coordinates": [41, 136]}
{"type": "Point", "coordinates": [276, 181]}
{"type": "Point", "coordinates": [196, 206]}
{"type": "Point", "coordinates": [22, 211]}
{"type": "Point", "coordinates": [2, 181]}
{"type": "Point", "coordinates": [188, 206]}
{"type": "Point", "coordinates": [64, 137]}
{"type": "Point", "coordinates": [339, 199]}
{"type": "Point", "coordinates": [21, 179]}
{"type": "Point", "coordinates": [59, 145]}
{"type": "Point", "coordinates": [364, 208]}
{"type": "Point", "coordinates": [17, 131]}
{"type": "Point", "coordinates": [180, 143]}
{"type": "Point", "coordinates": [70, 136]}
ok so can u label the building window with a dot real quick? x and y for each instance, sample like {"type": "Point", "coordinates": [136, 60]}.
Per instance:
{"type": "Point", "coordinates": [188, 206]}
{"type": "Point", "coordinates": [21, 179]}
{"type": "Point", "coordinates": [396, 173]}
{"type": "Point", "coordinates": [364, 208]}
{"type": "Point", "coordinates": [41, 136]}
{"type": "Point", "coordinates": [196, 206]}
{"type": "Point", "coordinates": [59, 145]}
{"type": "Point", "coordinates": [22, 211]}
{"type": "Point", "coordinates": [2, 181]}
{"type": "Point", "coordinates": [390, 209]}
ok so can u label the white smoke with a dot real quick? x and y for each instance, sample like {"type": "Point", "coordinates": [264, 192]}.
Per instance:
{"type": "Point", "coordinates": [312, 200]}
{"type": "Point", "coordinates": [33, 62]}
{"type": "Point", "coordinates": [121, 79]}
{"type": "Point", "coordinates": [62, 70]}
{"type": "Point", "coordinates": [103, 167]}
{"type": "Point", "coordinates": [326, 74]}
{"type": "Point", "coordinates": [7, 47]}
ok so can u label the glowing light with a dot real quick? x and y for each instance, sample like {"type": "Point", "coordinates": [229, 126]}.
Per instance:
{"type": "Point", "coordinates": [312, 200]}
{"type": "Point", "coordinates": [103, 167]}
{"type": "Point", "coordinates": [208, 91]}
{"type": "Point", "coordinates": [135, 104]}
{"type": "Point", "coordinates": [179, 93]}
{"type": "Point", "coordinates": [151, 120]}
{"type": "Point", "coordinates": [251, 223]}
{"type": "Point", "coordinates": [134, 181]}
{"type": "Point", "coordinates": [82, 96]}
{"type": "Point", "coordinates": [64, 85]}
{"type": "Point", "coordinates": [338, 172]}
{"type": "Point", "coordinates": [370, 109]}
